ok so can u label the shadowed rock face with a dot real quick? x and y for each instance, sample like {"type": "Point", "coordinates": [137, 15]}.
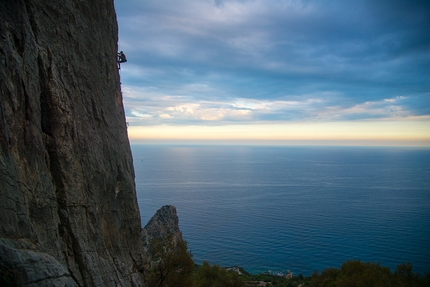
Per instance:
{"type": "Point", "coordinates": [68, 209]}
{"type": "Point", "coordinates": [162, 225]}
{"type": "Point", "coordinates": [165, 222]}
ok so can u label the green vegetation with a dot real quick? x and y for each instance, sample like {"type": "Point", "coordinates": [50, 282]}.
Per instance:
{"type": "Point", "coordinates": [278, 281]}
{"type": "Point", "coordinates": [216, 276]}
{"type": "Point", "coordinates": [172, 265]}
{"type": "Point", "coordinates": [358, 274]}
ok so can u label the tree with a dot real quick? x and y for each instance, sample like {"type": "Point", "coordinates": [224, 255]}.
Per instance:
{"type": "Point", "coordinates": [326, 278]}
{"type": "Point", "coordinates": [362, 274]}
{"type": "Point", "coordinates": [405, 277]}
{"type": "Point", "coordinates": [215, 276]}
{"type": "Point", "coordinates": [171, 265]}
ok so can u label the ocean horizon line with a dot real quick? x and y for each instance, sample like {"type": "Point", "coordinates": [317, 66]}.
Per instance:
{"type": "Point", "coordinates": [282, 143]}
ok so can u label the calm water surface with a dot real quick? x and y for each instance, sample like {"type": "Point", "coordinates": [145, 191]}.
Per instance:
{"type": "Point", "coordinates": [296, 208]}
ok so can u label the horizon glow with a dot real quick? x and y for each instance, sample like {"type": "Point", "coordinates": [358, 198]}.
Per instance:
{"type": "Point", "coordinates": [390, 133]}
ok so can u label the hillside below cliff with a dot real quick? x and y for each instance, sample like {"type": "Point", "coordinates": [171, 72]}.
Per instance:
{"type": "Point", "coordinates": [68, 208]}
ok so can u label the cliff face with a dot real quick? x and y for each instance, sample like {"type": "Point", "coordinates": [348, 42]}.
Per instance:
{"type": "Point", "coordinates": [68, 209]}
{"type": "Point", "coordinates": [163, 224]}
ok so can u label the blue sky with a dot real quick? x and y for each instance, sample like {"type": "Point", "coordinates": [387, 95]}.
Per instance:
{"type": "Point", "coordinates": [230, 66]}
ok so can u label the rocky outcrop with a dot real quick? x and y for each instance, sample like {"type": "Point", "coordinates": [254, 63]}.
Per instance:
{"type": "Point", "coordinates": [68, 209]}
{"type": "Point", "coordinates": [164, 224]}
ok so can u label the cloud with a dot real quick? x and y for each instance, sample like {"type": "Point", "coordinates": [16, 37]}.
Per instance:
{"type": "Point", "coordinates": [146, 106]}
{"type": "Point", "coordinates": [222, 62]}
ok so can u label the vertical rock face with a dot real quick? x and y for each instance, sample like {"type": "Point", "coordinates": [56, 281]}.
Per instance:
{"type": "Point", "coordinates": [164, 222]}
{"type": "Point", "coordinates": [68, 209]}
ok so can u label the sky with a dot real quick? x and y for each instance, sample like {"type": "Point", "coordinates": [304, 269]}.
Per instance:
{"type": "Point", "coordinates": [276, 72]}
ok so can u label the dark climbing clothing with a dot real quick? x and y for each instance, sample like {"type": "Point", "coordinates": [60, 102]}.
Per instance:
{"type": "Point", "coordinates": [121, 57]}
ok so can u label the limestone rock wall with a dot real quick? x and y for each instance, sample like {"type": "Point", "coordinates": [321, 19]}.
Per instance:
{"type": "Point", "coordinates": [164, 223]}
{"type": "Point", "coordinates": [67, 193]}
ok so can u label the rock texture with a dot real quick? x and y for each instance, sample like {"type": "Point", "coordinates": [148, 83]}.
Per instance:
{"type": "Point", "coordinates": [164, 223]}
{"type": "Point", "coordinates": [68, 209]}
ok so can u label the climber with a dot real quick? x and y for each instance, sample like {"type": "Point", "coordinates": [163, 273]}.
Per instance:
{"type": "Point", "coordinates": [121, 57]}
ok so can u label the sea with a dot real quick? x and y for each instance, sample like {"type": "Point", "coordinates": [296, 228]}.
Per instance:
{"type": "Point", "coordinates": [297, 208]}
